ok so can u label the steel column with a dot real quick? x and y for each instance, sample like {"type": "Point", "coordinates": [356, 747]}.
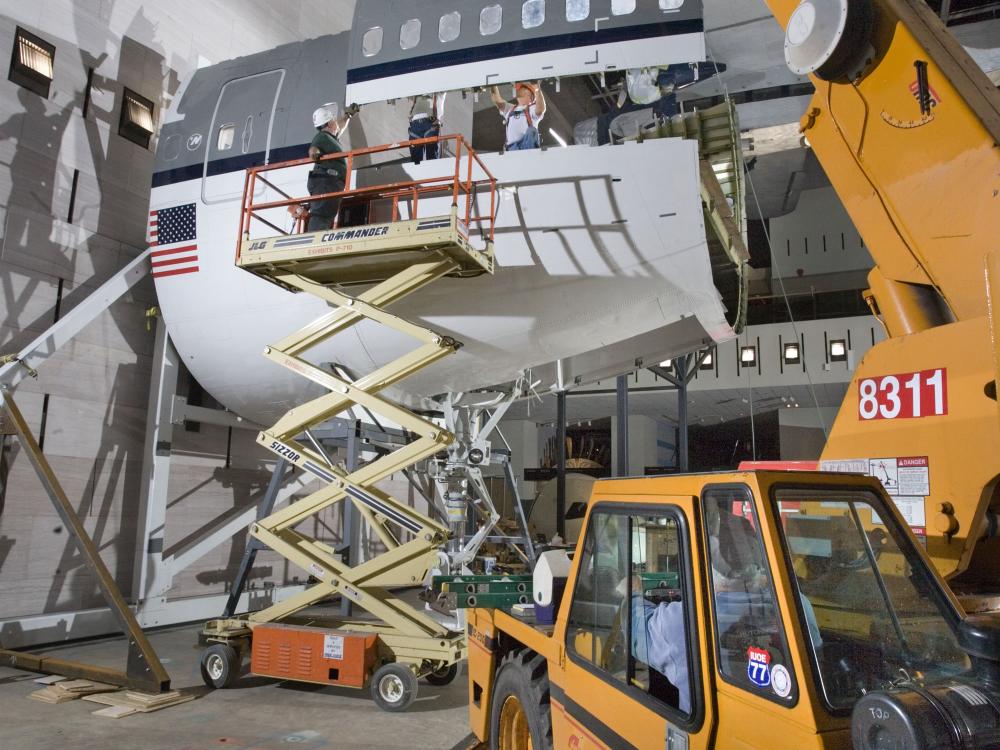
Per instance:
{"type": "Point", "coordinates": [621, 412]}
{"type": "Point", "coordinates": [561, 463]}
{"type": "Point", "coordinates": [255, 545]}
{"type": "Point", "coordinates": [684, 369]}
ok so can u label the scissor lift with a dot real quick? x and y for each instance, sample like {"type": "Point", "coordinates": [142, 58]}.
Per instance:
{"type": "Point", "coordinates": [392, 259]}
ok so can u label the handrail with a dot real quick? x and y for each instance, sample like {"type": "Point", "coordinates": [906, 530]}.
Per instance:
{"type": "Point", "coordinates": [458, 181]}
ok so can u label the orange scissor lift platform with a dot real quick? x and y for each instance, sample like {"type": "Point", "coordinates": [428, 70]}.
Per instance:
{"type": "Point", "coordinates": [393, 252]}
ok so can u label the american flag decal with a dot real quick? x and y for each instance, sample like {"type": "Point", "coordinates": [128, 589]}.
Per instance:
{"type": "Point", "coordinates": [174, 231]}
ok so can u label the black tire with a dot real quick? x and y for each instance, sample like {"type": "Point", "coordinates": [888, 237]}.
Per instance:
{"type": "Point", "coordinates": [523, 679]}
{"type": "Point", "coordinates": [393, 687]}
{"type": "Point", "coordinates": [220, 665]}
{"type": "Point", "coordinates": [443, 676]}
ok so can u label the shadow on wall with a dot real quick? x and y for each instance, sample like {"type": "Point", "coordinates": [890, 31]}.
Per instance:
{"type": "Point", "coordinates": [73, 226]}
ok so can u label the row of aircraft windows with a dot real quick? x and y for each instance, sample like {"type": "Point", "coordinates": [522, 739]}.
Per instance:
{"type": "Point", "coordinates": [491, 18]}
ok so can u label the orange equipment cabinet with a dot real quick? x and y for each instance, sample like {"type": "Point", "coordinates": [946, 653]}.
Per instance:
{"type": "Point", "coordinates": [311, 654]}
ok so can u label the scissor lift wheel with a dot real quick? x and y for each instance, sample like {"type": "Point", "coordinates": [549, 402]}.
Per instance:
{"type": "Point", "coordinates": [220, 665]}
{"type": "Point", "coordinates": [394, 687]}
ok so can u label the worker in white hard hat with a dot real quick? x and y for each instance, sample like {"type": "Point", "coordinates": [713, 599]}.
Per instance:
{"type": "Point", "coordinates": [327, 175]}
{"type": "Point", "coordinates": [522, 118]}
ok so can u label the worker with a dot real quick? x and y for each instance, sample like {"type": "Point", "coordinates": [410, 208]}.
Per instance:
{"type": "Point", "coordinates": [426, 113]}
{"type": "Point", "coordinates": [326, 176]}
{"type": "Point", "coordinates": [521, 119]}
{"type": "Point", "coordinates": [646, 88]}
{"type": "Point", "coordinates": [659, 640]}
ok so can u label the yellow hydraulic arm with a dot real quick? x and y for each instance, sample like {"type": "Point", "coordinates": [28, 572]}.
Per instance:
{"type": "Point", "coordinates": [907, 128]}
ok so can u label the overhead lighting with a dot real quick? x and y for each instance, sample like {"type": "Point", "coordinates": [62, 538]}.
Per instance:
{"type": "Point", "coordinates": [792, 354]}
{"type": "Point", "coordinates": [562, 141]}
{"type": "Point", "coordinates": [748, 356]}
{"type": "Point", "coordinates": [136, 120]}
{"type": "Point", "coordinates": [709, 362]}
{"type": "Point", "coordinates": [838, 350]}
{"type": "Point", "coordinates": [31, 64]}
{"type": "Point", "coordinates": [666, 363]}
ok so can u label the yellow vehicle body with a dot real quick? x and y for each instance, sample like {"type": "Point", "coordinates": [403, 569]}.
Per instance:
{"type": "Point", "coordinates": [590, 710]}
{"type": "Point", "coordinates": [923, 190]}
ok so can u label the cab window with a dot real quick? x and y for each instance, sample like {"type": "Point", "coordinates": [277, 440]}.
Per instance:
{"type": "Point", "coordinates": [872, 611]}
{"type": "Point", "coordinates": [631, 617]}
{"type": "Point", "coordinates": [750, 639]}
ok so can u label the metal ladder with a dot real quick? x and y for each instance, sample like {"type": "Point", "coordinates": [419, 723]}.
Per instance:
{"type": "Point", "coordinates": [399, 258]}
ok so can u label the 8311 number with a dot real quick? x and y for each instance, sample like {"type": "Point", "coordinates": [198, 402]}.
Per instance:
{"type": "Point", "coordinates": [909, 395]}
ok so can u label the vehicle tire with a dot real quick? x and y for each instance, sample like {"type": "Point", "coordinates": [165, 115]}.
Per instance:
{"type": "Point", "coordinates": [394, 687]}
{"type": "Point", "coordinates": [520, 715]}
{"type": "Point", "coordinates": [443, 676]}
{"type": "Point", "coordinates": [220, 665]}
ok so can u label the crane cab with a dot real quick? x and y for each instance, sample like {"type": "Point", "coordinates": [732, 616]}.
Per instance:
{"type": "Point", "coordinates": [752, 609]}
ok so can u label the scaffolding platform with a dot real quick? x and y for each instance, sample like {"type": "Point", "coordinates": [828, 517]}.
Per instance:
{"type": "Point", "coordinates": [366, 254]}
{"type": "Point", "coordinates": [392, 259]}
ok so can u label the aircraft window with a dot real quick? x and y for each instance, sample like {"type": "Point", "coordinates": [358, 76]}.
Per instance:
{"type": "Point", "coordinates": [171, 148]}
{"type": "Point", "coordinates": [371, 42]}
{"type": "Point", "coordinates": [450, 26]}
{"type": "Point", "coordinates": [490, 19]}
{"type": "Point", "coordinates": [226, 135]}
{"type": "Point", "coordinates": [671, 4]}
{"type": "Point", "coordinates": [532, 13]}
{"type": "Point", "coordinates": [622, 7]}
{"type": "Point", "coordinates": [409, 34]}
{"type": "Point", "coordinates": [577, 10]}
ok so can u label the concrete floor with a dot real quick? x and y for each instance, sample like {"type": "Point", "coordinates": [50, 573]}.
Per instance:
{"type": "Point", "coordinates": [256, 714]}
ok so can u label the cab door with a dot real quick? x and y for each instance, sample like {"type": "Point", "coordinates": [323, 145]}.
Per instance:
{"type": "Point", "coordinates": [634, 675]}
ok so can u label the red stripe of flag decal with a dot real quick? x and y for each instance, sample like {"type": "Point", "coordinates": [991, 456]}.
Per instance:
{"type": "Point", "coordinates": [174, 271]}
{"type": "Point", "coordinates": [175, 250]}
{"type": "Point", "coordinates": [175, 261]}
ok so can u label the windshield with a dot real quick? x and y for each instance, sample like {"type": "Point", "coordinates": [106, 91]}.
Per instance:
{"type": "Point", "coordinates": [870, 613]}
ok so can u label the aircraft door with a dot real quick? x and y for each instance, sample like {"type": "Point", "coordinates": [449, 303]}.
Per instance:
{"type": "Point", "coordinates": [240, 135]}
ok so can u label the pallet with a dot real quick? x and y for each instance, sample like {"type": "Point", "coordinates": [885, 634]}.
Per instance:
{"type": "Point", "coordinates": [128, 702]}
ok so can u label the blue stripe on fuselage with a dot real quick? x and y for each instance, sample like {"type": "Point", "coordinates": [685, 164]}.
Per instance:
{"type": "Point", "coordinates": [464, 55]}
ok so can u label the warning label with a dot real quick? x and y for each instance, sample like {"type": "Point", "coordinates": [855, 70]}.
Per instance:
{"type": "Point", "coordinates": [914, 475]}
{"type": "Point", "coordinates": [905, 478]}
{"type": "Point", "coordinates": [333, 647]}
{"type": "Point", "coordinates": [913, 510]}
{"type": "Point", "coordinates": [886, 470]}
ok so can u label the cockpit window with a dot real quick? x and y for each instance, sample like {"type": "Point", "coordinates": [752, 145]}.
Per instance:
{"type": "Point", "coordinates": [409, 34]}
{"type": "Point", "coordinates": [490, 19]}
{"type": "Point", "coordinates": [450, 26]}
{"type": "Point", "coordinates": [227, 133]}
{"type": "Point", "coordinates": [873, 614]}
{"type": "Point", "coordinates": [622, 7]}
{"type": "Point", "coordinates": [577, 10]}
{"type": "Point", "coordinates": [532, 13]}
{"type": "Point", "coordinates": [371, 42]}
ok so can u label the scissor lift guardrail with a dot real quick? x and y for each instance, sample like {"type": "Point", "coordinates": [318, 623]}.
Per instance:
{"type": "Point", "coordinates": [397, 257]}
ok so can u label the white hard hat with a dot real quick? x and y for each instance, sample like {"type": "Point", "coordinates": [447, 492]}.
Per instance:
{"type": "Point", "coordinates": [325, 113]}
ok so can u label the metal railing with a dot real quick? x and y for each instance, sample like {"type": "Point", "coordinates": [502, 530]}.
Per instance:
{"type": "Point", "coordinates": [465, 176]}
